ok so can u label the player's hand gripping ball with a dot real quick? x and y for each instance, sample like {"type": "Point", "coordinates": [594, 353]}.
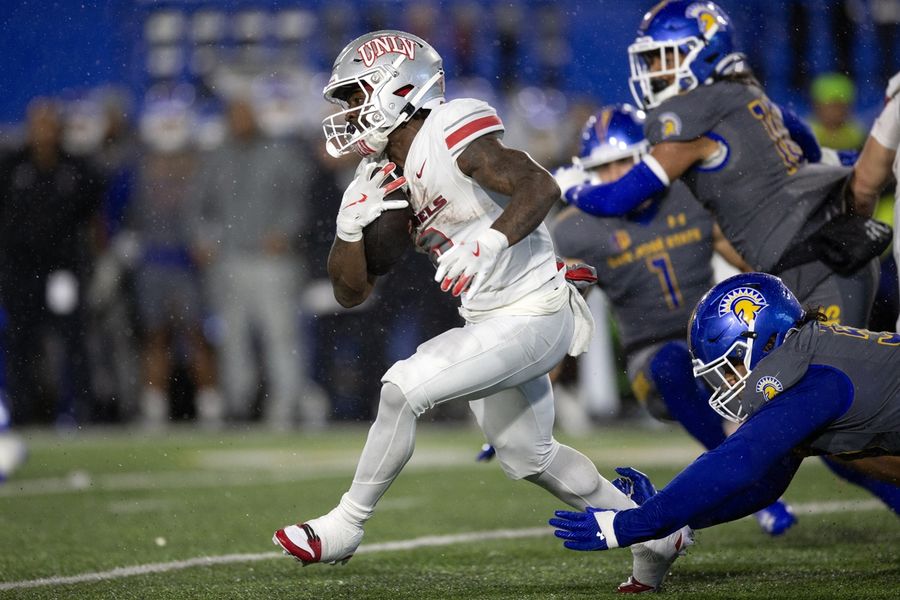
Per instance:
{"type": "Point", "coordinates": [375, 209]}
{"type": "Point", "coordinates": [364, 200]}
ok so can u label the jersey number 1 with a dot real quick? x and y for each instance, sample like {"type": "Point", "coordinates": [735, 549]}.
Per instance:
{"type": "Point", "coordinates": [662, 266]}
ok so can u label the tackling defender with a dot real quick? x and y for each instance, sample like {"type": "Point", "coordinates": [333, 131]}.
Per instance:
{"type": "Point", "coordinates": [521, 316]}
{"type": "Point", "coordinates": [797, 386]}
{"type": "Point", "coordinates": [654, 263]}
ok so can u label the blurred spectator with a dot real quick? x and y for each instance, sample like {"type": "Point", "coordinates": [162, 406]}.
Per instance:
{"type": "Point", "coordinates": [97, 129]}
{"type": "Point", "coordinates": [253, 198]}
{"type": "Point", "coordinates": [167, 285]}
{"type": "Point", "coordinates": [47, 201]}
{"type": "Point", "coordinates": [833, 95]}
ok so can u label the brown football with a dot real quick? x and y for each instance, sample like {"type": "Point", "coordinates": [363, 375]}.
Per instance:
{"type": "Point", "coordinates": [388, 237]}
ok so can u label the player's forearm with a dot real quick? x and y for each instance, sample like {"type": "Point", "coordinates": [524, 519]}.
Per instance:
{"type": "Point", "coordinates": [350, 280]}
{"type": "Point", "coordinates": [528, 206]}
{"type": "Point", "coordinates": [870, 174]}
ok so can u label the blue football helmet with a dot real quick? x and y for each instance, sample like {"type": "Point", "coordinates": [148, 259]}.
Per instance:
{"type": "Point", "coordinates": [739, 322]}
{"type": "Point", "coordinates": [693, 42]}
{"type": "Point", "coordinates": [614, 133]}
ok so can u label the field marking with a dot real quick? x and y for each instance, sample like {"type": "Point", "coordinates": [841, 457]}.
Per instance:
{"type": "Point", "coordinates": [431, 541]}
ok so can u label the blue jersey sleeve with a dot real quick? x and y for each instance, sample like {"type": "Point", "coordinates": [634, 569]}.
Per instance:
{"type": "Point", "coordinates": [801, 133]}
{"type": "Point", "coordinates": [713, 482]}
{"type": "Point", "coordinates": [619, 197]}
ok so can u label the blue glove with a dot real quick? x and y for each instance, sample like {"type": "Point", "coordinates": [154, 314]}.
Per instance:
{"type": "Point", "coordinates": [634, 484]}
{"type": "Point", "coordinates": [848, 157]}
{"type": "Point", "coordinates": [588, 530]}
{"type": "Point", "coordinates": [486, 454]}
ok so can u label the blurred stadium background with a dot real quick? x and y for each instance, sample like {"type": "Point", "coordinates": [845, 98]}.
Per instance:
{"type": "Point", "coordinates": [146, 93]}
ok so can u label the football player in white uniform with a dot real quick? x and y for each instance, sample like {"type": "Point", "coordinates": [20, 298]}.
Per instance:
{"type": "Point", "coordinates": [521, 316]}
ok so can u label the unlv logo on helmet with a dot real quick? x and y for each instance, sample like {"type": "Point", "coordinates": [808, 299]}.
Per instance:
{"type": "Point", "coordinates": [386, 44]}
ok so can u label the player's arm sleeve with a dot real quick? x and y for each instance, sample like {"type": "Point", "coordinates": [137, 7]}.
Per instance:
{"type": "Point", "coordinates": [712, 484]}
{"type": "Point", "coordinates": [801, 133]}
{"type": "Point", "coordinates": [689, 116]}
{"type": "Point", "coordinates": [646, 180]}
{"type": "Point", "coordinates": [886, 129]}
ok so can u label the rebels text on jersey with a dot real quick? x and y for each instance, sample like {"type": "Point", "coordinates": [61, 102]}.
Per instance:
{"type": "Point", "coordinates": [451, 207]}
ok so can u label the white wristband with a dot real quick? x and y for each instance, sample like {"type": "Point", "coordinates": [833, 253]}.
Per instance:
{"type": "Point", "coordinates": [657, 169]}
{"type": "Point", "coordinates": [605, 522]}
{"type": "Point", "coordinates": [349, 237]}
{"type": "Point", "coordinates": [496, 238]}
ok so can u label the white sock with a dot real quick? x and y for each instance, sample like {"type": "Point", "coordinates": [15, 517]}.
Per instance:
{"type": "Point", "coordinates": [388, 448]}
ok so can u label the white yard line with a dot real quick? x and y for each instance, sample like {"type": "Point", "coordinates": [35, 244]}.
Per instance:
{"type": "Point", "coordinates": [412, 544]}
{"type": "Point", "coordinates": [203, 561]}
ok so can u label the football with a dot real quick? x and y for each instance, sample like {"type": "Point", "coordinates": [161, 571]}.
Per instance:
{"type": "Point", "coordinates": [388, 237]}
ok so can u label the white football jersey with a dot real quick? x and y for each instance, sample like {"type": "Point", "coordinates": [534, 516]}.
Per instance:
{"type": "Point", "coordinates": [450, 207]}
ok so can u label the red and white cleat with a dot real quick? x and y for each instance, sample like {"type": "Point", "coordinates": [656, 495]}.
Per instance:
{"type": "Point", "coordinates": [633, 586]}
{"type": "Point", "coordinates": [653, 559]}
{"type": "Point", "coordinates": [322, 540]}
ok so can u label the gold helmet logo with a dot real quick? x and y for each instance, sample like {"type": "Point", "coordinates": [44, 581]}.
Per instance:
{"type": "Point", "coordinates": [745, 303]}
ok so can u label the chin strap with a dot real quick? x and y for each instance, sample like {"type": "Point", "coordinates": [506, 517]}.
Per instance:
{"type": "Point", "coordinates": [734, 63]}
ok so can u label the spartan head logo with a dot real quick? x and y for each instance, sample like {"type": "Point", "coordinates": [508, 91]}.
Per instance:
{"type": "Point", "coordinates": [708, 18]}
{"type": "Point", "coordinates": [745, 303]}
{"type": "Point", "coordinates": [769, 387]}
{"type": "Point", "coordinates": [670, 123]}
{"type": "Point", "coordinates": [602, 124]}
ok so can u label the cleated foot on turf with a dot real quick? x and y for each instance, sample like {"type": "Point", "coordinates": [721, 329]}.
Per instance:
{"type": "Point", "coordinates": [653, 559]}
{"type": "Point", "coordinates": [776, 518]}
{"type": "Point", "coordinates": [323, 540]}
{"type": "Point", "coordinates": [633, 586]}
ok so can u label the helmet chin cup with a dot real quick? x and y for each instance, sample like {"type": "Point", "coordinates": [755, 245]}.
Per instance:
{"type": "Point", "coordinates": [332, 149]}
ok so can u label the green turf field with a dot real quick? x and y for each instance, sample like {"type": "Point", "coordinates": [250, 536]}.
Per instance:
{"type": "Point", "coordinates": [112, 514]}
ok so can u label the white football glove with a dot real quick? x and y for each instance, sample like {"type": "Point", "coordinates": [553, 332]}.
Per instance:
{"type": "Point", "coordinates": [467, 265]}
{"type": "Point", "coordinates": [569, 178]}
{"type": "Point", "coordinates": [364, 201]}
{"type": "Point", "coordinates": [893, 87]}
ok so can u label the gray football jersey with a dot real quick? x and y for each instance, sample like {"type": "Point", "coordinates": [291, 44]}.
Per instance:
{"type": "Point", "coordinates": [760, 189]}
{"type": "Point", "coordinates": [653, 273]}
{"type": "Point", "coordinates": [872, 362]}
